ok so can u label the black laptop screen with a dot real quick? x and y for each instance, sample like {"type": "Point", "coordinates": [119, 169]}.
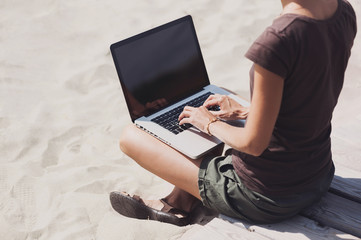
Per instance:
{"type": "Point", "coordinates": [159, 67]}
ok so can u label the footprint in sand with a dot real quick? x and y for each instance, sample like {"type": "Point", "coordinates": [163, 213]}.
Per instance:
{"type": "Point", "coordinates": [91, 79]}
{"type": "Point", "coordinates": [56, 145]}
{"type": "Point", "coordinates": [19, 210]}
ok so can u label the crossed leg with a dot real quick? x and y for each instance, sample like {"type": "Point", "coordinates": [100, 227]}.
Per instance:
{"type": "Point", "coordinates": [167, 163]}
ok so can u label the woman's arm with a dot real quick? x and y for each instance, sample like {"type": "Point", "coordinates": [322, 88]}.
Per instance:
{"type": "Point", "coordinates": [255, 136]}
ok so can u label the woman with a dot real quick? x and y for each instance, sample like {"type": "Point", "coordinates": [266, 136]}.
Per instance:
{"type": "Point", "coordinates": [281, 160]}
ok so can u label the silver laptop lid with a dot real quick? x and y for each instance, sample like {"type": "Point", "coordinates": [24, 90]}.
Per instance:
{"type": "Point", "coordinates": [160, 67]}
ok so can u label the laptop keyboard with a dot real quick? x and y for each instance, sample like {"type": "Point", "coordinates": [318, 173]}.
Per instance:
{"type": "Point", "coordinates": [169, 120]}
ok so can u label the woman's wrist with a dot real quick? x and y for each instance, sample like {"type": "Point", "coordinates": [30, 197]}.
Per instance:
{"type": "Point", "coordinates": [208, 125]}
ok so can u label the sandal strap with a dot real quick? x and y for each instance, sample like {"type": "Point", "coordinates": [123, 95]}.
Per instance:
{"type": "Point", "coordinates": [138, 198]}
{"type": "Point", "coordinates": [170, 209]}
{"type": "Point", "coordinates": [166, 208]}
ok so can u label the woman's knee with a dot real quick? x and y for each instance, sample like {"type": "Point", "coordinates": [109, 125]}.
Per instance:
{"type": "Point", "coordinates": [126, 138]}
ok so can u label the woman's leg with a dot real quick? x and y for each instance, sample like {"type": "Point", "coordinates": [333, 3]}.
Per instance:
{"type": "Point", "coordinates": [167, 163]}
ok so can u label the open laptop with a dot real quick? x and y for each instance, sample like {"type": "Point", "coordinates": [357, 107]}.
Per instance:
{"type": "Point", "coordinates": [161, 71]}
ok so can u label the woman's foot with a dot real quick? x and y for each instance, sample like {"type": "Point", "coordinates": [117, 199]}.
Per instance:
{"type": "Point", "coordinates": [159, 210]}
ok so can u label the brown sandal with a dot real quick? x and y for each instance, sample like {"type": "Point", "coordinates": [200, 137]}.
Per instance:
{"type": "Point", "coordinates": [134, 207]}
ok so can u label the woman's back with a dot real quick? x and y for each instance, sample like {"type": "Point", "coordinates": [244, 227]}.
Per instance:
{"type": "Point", "coordinates": [312, 56]}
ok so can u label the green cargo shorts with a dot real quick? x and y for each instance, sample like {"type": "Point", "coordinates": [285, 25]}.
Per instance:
{"type": "Point", "coordinates": [222, 190]}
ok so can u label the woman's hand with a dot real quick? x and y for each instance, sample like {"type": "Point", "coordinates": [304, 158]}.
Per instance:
{"type": "Point", "coordinates": [229, 108]}
{"type": "Point", "coordinates": [198, 117]}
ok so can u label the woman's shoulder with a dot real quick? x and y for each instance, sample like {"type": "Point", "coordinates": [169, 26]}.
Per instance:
{"type": "Point", "coordinates": [296, 28]}
{"type": "Point", "coordinates": [290, 21]}
{"type": "Point", "coordinates": [283, 22]}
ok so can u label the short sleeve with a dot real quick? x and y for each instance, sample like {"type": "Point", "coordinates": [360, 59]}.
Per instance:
{"type": "Point", "coordinates": [270, 51]}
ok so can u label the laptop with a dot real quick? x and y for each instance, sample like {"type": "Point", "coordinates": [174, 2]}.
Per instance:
{"type": "Point", "coordinates": [161, 71]}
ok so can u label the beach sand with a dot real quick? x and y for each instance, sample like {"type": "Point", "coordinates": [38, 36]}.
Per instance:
{"type": "Point", "coordinates": [62, 109]}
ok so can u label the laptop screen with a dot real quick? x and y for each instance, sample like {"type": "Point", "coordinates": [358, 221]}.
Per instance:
{"type": "Point", "coordinates": [160, 67]}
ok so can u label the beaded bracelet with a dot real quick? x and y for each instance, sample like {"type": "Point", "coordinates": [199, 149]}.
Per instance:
{"type": "Point", "coordinates": [209, 123]}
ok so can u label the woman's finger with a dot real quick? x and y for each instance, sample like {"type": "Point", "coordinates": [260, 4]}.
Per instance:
{"type": "Point", "coordinates": [214, 100]}
{"type": "Point", "coordinates": [211, 98]}
{"type": "Point", "coordinates": [217, 113]}
{"type": "Point", "coordinates": [184, 121]}
{"type": "Point", "coordinates": [184, 117]}
{"type": "Point", "coordinates": [188, 108]}
{"type": "Point", "coordinates": [211, 102]}
{"type": "Point", "coordinates": [185, 113]}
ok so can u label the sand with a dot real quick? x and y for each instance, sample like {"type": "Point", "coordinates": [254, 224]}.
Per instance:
{"type": "Point", "coordinates": [62, 109]}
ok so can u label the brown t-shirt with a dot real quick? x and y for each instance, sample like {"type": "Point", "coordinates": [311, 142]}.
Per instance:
{"type": "Point", "coordinates": [311, 55]}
